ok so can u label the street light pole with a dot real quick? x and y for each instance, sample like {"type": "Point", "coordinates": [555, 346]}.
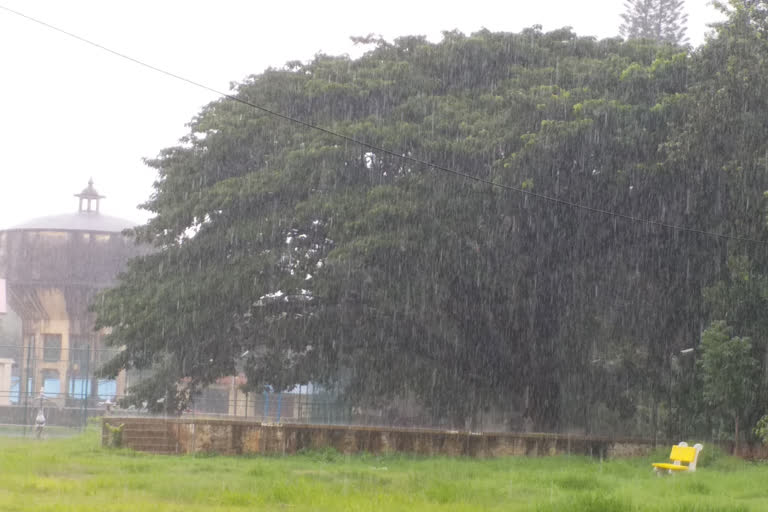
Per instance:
{"type": "Point", "coordinates": [86, 386]}
{"type": "Point", "coordinates": [25, 383]}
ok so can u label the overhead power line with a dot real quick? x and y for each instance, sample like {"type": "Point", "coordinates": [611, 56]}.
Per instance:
{"type": "Point", "coordinates": [385, 151]}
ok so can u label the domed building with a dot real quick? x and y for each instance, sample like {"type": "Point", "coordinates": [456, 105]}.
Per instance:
{"type": "Point", "coordinates": [53, 267]}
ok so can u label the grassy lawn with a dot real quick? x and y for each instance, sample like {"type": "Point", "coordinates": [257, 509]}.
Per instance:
{"type": "Point", "coordinates": [76, 474]}
{"type": "Point", "coordinates": [20, 431]}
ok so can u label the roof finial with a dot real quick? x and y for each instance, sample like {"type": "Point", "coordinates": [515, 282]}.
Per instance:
{"type": "Point", "coordinates": [89, 198]}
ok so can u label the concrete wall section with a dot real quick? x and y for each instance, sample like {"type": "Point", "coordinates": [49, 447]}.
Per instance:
{"type": "Point", "coordinates": [235, 437]}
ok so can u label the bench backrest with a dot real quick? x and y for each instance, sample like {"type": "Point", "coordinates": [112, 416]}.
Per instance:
{"type": "Point", "coordinates": [683, 453]}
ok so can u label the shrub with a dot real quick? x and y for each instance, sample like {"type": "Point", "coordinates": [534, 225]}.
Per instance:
{"type": "Point", "coordinates": [115, 439]}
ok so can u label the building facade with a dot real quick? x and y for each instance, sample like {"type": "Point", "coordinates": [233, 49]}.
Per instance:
{"type": "Point", "coordinates": [53, 268]}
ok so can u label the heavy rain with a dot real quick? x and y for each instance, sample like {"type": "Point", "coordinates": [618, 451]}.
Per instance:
{"type": "Point", "coordinates": [500, 265]}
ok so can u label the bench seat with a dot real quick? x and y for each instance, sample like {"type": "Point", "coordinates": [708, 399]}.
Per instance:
{"type": "Point", "coordinates": [680, 453]}
{"type": "Point", "coordinates": [671, 467]}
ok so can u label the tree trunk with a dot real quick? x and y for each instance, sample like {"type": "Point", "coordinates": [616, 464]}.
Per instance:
{"type": "Point", "coordinates": [736, 435]}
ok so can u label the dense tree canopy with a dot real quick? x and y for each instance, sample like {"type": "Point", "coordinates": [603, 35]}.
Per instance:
{"type": "Point", "coordinates": [295, 256]}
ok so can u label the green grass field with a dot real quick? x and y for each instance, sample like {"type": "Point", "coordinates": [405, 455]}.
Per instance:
{"type": "Point", "coordinates": [76, 474]}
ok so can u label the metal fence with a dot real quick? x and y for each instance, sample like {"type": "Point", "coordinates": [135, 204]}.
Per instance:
{"type": "Point", "coordinates": [45, 384]}
{"type": "Point", "coordinates": [59, 388]}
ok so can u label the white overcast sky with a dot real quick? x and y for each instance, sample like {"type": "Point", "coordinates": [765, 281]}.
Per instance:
{"type": "Point", "coordinates": [69, 111]}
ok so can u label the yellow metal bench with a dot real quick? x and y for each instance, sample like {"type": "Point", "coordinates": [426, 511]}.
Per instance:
{"type": "Point", "coordinates": [680, 454]}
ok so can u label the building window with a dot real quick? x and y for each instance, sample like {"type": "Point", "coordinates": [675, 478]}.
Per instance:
{"type": "Point", "coordinates": [79, 353]}
{"type": "Point", "coordinates": [51, 383]}
{"type": "Point", "coordinates": [107, 389]}
{"type": "Point", "coordinates": [51, 348]}
{"type": "Point", "coordinates": [15, 391]}
{"type": "Point", "coordinates": [79, 388]}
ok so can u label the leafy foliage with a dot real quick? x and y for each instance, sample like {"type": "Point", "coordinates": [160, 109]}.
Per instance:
{"type": "Point", "coordinates": [727, 368]}
{"type": "Point", "coordinates": [115, 435]}
{"type": "Point", "coordinates": [761, 429]}
{"type": "Point", "coordinates": [728, 372]}
{"type": "Point", "coordinates": [289, 255]}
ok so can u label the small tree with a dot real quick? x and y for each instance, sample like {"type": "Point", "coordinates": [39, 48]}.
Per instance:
{"type": "Point", "coordinates": [638, 19]}
{"type": "Point", "coordinates": [660, 20]}
{"type": "Point", "coordinates": [728, 372]}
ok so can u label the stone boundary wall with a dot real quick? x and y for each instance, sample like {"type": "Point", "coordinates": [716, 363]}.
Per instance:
{"type": "Point", "coordinates": [238, 437]}
{"type": "Point", "coordinates": [243, 437]}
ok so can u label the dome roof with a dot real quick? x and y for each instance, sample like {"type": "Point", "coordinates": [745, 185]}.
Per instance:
{"type": "Point", "coordinates": [78, 221]}
{"type": "Point", "coordinates": [87, 218]}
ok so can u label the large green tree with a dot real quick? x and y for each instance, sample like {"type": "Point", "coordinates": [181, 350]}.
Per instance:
{"type": "Point", "coordinates": [295, 256]}
{"type": "Point", "coordinates": [725, 113]}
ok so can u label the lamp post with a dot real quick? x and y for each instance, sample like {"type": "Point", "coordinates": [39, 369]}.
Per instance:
{"type": "Point", "coordinates": [683, 398]}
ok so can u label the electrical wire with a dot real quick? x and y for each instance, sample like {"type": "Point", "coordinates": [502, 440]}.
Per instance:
{"type": "Point", "coordinates": [385, 151]}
